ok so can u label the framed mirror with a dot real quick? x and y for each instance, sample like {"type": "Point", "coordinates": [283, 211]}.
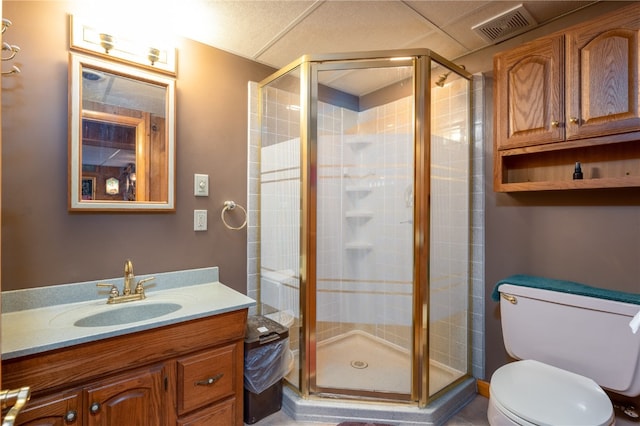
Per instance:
{"type": "Point", "coordinates": [121, 137]}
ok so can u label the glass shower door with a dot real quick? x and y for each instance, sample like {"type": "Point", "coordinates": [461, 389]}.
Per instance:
{"type": "Point", "coordinates": [279, 186]}
{"type": "Point", "coordinates": [364, 229]}
{"type": "Point", "coordinates": [450, 226]}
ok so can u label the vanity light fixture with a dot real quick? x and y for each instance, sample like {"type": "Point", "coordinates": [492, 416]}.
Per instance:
{"type": "Point", "coordinates": [104, 42]}
{"type": "Point", "coordinates": [154, 55]}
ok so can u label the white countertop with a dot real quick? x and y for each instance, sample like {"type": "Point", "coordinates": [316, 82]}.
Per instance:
{"type": "Point", "coordinates": [31, 331]}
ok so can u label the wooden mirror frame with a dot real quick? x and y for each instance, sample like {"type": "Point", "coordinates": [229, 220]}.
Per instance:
{"type": "Point", "coordinates": [77, 63]}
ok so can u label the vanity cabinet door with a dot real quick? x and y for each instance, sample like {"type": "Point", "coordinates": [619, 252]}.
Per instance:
{"type": "Point", "coordinates": [135, 398]}
{"type": "Point", "coordinates": [602, 77]}
{"type": "Point", "coordinates": [529, 94]}
{"type": "Point", "coordinates": [60, 409]}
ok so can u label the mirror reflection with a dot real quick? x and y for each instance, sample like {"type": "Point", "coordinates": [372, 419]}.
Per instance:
{"type": "Point", "coordinates": [121, 145]}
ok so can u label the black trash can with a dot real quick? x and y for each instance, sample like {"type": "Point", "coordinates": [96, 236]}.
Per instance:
{"type": "Point", "coordinates": [266, 346]}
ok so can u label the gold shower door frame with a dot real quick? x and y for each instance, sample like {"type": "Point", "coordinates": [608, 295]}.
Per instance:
{"type": "Point", "coordinates": [309, 66]}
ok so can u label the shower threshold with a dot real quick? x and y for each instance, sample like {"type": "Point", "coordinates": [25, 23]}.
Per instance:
{"type": "Point", "coordinates": [357, 360]}
{"type": "Point", "coordinates": [324, 410]}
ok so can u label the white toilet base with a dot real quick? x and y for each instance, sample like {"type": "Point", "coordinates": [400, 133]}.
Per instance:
{"type": "Point", "coordinates": [497, 418]}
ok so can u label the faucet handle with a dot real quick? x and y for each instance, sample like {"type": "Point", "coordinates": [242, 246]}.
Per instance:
{"type": "Point", "coordinates": [140, 287]}
{"type": "Point", "coordinates": [114, 290]}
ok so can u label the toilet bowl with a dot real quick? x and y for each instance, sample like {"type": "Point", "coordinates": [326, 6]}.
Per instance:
{"type": "Point", "coordinates": [529, 392]}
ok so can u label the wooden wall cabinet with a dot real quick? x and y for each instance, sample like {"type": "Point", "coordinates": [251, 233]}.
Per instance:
{"type": "Point", "coordinates": [566, 98]}
{"type": "Point", "coordinates": [188, 374]}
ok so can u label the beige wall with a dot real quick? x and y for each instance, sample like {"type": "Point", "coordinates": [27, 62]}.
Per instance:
{"type": "Point", "coordinates": [591, 237]}
{"type": "Point", "coordinates": [43, 244]}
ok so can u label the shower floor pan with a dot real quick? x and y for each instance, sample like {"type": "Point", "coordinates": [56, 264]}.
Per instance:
{"type": "Point", "coordinates": [359, 361]}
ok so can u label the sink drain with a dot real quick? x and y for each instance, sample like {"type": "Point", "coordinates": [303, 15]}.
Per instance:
{"type": "Point", "coordinates": [359, 364]}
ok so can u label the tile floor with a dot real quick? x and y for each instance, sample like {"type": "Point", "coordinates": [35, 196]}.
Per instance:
{"type": "Point", "coordinates": [473, 414]}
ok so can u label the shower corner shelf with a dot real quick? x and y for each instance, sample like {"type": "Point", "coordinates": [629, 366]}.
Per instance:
{"type": "Point", "coordinates": [357, 189]}
{"type": "Point", "coordinates": [358, 214]}
{"type": "Point", "coordinates": [358, 246]}
{"type": "Point", "coordinates": [357, 143]}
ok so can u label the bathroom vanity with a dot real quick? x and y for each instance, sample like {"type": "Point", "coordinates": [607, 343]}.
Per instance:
{"type": "Point", "coordinates": [182, 368]}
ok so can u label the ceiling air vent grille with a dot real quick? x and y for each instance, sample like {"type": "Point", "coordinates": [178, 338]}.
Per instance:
{"type": "Point", "coordinates": [507, 24]}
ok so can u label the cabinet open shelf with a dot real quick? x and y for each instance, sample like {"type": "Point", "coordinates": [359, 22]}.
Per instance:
{"type": "Point", "coordinates": [611, 164]}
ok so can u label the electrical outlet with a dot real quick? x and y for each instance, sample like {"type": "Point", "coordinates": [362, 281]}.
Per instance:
{"type": "Point", "coordinates": [200, 185]}
{"type": "Point", "coordinates": [199, 220]}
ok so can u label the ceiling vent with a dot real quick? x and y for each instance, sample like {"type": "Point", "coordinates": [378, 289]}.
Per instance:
{"type": "Point", "coordinates": [508, 24]}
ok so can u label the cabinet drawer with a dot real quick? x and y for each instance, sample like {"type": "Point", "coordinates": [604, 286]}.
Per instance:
{"type": "Point", "coordinates": [222, 414]}
{"type": "Point", "coordinates": [208, 377]}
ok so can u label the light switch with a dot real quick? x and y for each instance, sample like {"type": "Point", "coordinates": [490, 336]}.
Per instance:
{"type": "Point", "coordinates": [199, 220]}
{"type": "Point", "coordinates": [200, 185]}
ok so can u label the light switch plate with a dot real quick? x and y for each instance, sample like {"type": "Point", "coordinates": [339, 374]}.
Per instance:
{"type": "Point", "coordinates": [199, 220]}
{"type": "Point", "coordinates": [200, 185]}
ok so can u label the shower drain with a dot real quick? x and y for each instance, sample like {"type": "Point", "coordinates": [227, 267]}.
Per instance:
{"type": "Point", "coordinates": [359, 364]}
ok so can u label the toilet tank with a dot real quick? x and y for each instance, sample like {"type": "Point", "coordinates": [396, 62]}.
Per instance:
{"type": "Point", "coordinates": [589, 336]}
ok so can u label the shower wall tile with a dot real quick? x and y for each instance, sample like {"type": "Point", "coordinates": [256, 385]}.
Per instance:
{"type": "Point", "coordinates": [478, 174]}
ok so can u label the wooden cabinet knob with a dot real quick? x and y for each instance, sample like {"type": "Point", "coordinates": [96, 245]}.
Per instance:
{"type": "Point", "coordinates": [71, 416]}
{"type": "Point", "coordinates": [555, 123]}
{"type": "Point", "coordinates": [574, 120]}
{"type": "Point", "coordinates": [94, 408]}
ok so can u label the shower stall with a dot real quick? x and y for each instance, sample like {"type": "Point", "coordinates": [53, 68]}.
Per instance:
{"type": "Point", "coordinates": [363, 194]}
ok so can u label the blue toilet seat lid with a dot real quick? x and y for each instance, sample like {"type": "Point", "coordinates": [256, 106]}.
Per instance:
{"type": "Point", "coordinates": [545, 395]}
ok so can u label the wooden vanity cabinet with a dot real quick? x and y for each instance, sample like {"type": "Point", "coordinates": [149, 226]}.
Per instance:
{"type": "Point", "coordinates": [566, 98]}
{"type": "Point", "coordinates": [59, 409]}
{"type": "Point", "coordinates": [183, 374]}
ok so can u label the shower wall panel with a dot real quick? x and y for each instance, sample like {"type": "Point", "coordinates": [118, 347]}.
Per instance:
{"type": "Point", "coordinates": [365, 175]}
{"type": "Point", "coordinates": [450, 225]}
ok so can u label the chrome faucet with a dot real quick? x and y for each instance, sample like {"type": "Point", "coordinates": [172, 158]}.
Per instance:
{"type": "Point", "coordinates": [129, 280]}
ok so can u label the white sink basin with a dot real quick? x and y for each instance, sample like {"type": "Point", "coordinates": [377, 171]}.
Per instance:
{"type": "Point", "coordinates": [100, 314]}
{"type": "Point", "coordinates": [127, 314]}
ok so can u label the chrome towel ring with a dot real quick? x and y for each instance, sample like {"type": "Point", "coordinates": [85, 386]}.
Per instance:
{"type": "Point", "coordinates": [231, 205]}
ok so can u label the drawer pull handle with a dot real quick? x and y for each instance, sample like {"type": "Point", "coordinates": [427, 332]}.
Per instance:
{"type": "Point", "coordinates": [210, 381]}
{"type": "Point", "coordinates": [94, 408]}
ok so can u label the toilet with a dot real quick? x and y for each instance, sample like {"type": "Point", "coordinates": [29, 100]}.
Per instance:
{"type": "Point", "coordinates": [570, 341]}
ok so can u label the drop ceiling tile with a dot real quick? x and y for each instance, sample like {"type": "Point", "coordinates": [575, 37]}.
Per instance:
{"type": "Point", "coordinates": [345, 26]}
{"type": "Point", "coordinates": [442, 13]}
{"type": "Point", "coordinates": [545, 11]}
{"type": "Point", "coordinates": [276, 32]}
{"type": "Point", "coordinates": [541, 11]}
{"type": "Point", "coordinates": [240, 27]}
